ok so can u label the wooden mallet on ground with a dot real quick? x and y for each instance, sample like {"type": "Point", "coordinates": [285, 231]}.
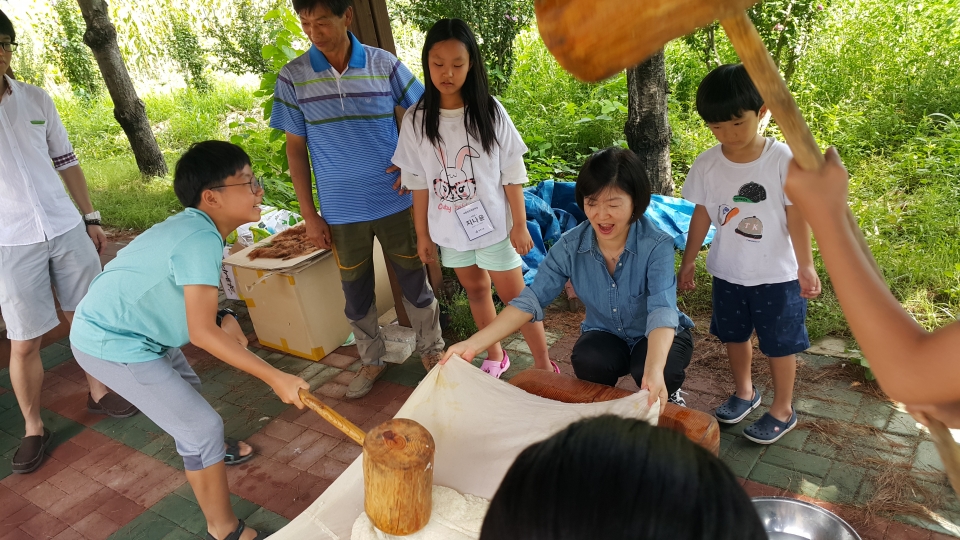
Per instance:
{"type": "Point", "coordinates": [595, 39]}
{"type": "Point", "coordinates": [397, 469]}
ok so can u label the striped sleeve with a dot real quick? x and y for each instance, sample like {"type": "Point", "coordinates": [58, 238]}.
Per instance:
{"type": "Point", "coordinates": [407, 90]}
{"type": "Point", "coordinates": [286, 114]}
{"type": "Point", "coordinates": [58, 144]}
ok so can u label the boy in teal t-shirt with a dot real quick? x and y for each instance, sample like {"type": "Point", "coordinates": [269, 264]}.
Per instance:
{"type": "Point", "coordinates": [161, 293]}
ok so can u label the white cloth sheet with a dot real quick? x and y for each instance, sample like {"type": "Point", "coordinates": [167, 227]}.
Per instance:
{"type": "Point", "coordinates": [480, 425]}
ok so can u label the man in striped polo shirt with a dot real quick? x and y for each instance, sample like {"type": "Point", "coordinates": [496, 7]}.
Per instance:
{"type": "Point", "coordinates": [336, 104]}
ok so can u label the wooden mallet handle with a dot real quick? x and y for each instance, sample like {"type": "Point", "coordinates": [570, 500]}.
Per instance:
{"type": "Point", "coordinates": [347, 427]}
{"type": "Point", "coordinates": [755, 57]}
{"type": "Point", "coordinates": [777, 97]}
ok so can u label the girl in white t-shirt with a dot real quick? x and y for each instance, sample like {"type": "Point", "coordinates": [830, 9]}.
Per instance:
{"type": "Point", "coordinates": [463, 159]}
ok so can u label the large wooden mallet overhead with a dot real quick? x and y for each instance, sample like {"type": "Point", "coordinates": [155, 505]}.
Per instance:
{"type": "Point", "coordinates": [595, 39]}
{"type": "Point", "coordinates": [397, 469]}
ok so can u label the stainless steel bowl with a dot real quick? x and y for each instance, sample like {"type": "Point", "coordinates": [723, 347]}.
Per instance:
{"type": "Point", "coordinates": [789, 519]}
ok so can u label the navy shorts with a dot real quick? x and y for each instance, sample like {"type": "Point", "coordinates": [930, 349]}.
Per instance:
{"type": "Point", "coordinates": [776, 311]}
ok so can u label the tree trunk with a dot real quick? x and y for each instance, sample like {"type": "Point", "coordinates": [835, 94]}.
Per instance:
{"type": "Point", "coordinates": [648, 125]}
{"type": "Point", "coordinates": [129, 110]}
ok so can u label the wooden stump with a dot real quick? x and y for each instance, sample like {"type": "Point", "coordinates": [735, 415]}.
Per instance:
{"type": "Point", "coordinates": [398, 476]}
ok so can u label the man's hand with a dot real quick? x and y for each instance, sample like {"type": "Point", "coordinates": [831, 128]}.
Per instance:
{"type": "Point", "coordinates": [465, 349]}
{"type": "Point", "coordinates": [658, 389]}
{"type": "Point", "coordinates": [685, 281]}
{"type": "Point", "coordinates": [426, 248]}
{"type": "Point", "coordinates": [809, 282]}
{"type": "Point", "coordinates": [95, 232]}
{"type": "Point", "coordinates": [318, 231]}
{"type": "Point", "coordinates": [287, 387]}
{"type": "Point", "coordinates": [230, 325]}
{"type": "Point", "coordinates": [398, 185]}
{"type": "Point", "coordinates": [520, 238]}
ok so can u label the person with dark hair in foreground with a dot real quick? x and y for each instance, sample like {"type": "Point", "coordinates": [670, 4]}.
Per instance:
{"type": "Point", "coordinates": [621, 265]}
{"type": "Point", "coordinates": [617, 478]}
{"type": "Point", "coordinates": [161, 293]}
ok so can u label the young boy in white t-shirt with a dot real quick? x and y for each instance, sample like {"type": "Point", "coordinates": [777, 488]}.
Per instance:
{"type": "Point", "coordinates": [761, 259]}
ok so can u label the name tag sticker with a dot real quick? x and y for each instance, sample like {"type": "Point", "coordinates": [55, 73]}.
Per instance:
{"type": "Point", "coordinates": [475, 221]}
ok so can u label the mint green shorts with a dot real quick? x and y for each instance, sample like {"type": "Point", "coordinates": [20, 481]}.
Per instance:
{"type": "Point", "coordinates": [499, 257]}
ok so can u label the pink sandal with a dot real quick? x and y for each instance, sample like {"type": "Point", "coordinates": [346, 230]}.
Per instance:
{"type": "Point", "coordinates": [496, 368]}
{"type": "Point", "coordinates": [556, 368]}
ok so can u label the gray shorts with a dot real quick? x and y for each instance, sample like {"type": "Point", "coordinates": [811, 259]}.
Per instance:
{"type": "Point", "coordinates": [167, 391]}
{"type": "Point", "coordinates": [68, 262]}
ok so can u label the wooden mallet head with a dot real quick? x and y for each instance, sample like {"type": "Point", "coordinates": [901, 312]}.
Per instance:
{"type": "Point", "coordinates": [595, 39]}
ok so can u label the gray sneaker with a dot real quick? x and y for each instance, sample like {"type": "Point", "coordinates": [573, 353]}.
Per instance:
{"type": "Point", "coordinates": [363, 382]}
{"type": "Point", "coordinates": [431, 359]}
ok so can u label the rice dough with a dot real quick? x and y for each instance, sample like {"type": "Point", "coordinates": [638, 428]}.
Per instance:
{"type": "Point", "coordinates": [453, 517]}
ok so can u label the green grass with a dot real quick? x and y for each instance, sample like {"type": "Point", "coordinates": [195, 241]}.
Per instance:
{"type": "Point", "coordinates": [125, 198]}
{"type": "Point", "coordinates": [878, 80]}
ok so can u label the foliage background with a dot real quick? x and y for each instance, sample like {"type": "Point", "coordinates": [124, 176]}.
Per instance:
{"type": "Point", "coordinates": [876, 78]}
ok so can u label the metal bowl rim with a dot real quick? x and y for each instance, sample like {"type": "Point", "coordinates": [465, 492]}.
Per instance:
{"type": "Point", "coordinates": [806, 504]}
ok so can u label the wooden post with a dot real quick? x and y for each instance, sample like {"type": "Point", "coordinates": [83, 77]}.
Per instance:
{"type": "Point", "coordinates": [398, 476]}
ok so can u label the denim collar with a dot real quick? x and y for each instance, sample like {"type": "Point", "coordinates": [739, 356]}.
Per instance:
{"type": "Point", "coordinates": [358, 57]}
{"type": "Point", "coordinates": [588, 242]}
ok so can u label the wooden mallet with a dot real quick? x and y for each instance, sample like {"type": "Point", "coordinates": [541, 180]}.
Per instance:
{"type": "Point", "coordinates": [595, 39]}
{"type": "Point", "coordinates": [397, 469]}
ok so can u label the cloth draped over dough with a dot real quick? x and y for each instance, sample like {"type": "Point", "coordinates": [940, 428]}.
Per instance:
{"type": "Point", "coordinates": [480, 425]}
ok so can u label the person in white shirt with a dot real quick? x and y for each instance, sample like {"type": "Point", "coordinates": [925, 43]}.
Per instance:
{"type": "Point", "coordinates": [44, 243]}
{"type": "Point", "coordinates": [462, 157]}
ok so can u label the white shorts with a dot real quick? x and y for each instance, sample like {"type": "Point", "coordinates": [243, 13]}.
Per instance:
{"type": "Point", "coordinates": [68, 263]}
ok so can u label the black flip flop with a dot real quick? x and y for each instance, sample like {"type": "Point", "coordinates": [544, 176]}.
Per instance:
{"type": "Point", "coordinates": [235, 535]}
{"type": "Point", "coordinates": [30, 454]}
{"type": "Point", "coordinates": [233, 456]}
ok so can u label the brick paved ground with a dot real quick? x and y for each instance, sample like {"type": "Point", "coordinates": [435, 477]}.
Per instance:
{"type": "Point", "coordinates": [107, 478]}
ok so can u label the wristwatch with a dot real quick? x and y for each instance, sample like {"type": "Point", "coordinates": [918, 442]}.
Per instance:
{"type": "Point", "coordinates": [93, 218]}
{"type": "Point", "coordinates": [223, 313]}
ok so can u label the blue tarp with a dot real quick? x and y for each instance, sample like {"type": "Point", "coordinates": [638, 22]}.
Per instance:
{"type": "Point", "coordinates": [552, 210]}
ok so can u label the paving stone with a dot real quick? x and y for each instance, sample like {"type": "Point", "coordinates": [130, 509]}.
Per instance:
{"type": "Point", "coordinates": [519, 345]}
{"type": "Point", "coordinates": [841, 484]}
{"type": "Point", "coordinates": [794, 440]}
{"type": "Point", "coordinates": [312, 369]}
{"type": "Point", "coordinates": [43, 525]}
{"type": "Point", "coordinates": [902, 423]}
{"type": "Point", "coordinates": [147, 526]}
{"type": "Point", "coordinates": [874, 413]}
{"type": "Point", "coordinates": [180, 534]}
{"type": "Point", "coordinates": [797, 482]}
{"type": "Point", "coordinates": [928, 460]}
{"type": "Point", "coordinates": [834, 411]}
{"type": "Point", "coordinates": [404, 377]}
{"type": "Point", "coordinates": [267, 521]}
{"type": "Point", "coordinates": [741, 456]}
{"type": "Point", "coordinates": [182, 512]}
{"type": "Point", "coordinates": [322, 377]}
{"type": "Point", "coordinates": [786, 458]}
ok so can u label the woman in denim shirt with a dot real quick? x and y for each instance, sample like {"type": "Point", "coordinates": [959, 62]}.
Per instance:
{"type": "Point", "coordinates": [622, 267]}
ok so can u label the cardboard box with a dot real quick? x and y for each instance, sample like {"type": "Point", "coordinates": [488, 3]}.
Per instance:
{"type": "Point", "coordinates": [297, 305]}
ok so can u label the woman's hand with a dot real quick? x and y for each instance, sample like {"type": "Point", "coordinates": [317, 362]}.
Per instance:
{"type": "Point", "coordinates": [654, 383]}
{"type": "Point", "coordinates": [230, 325]}
{"type": "Point", "coordinates": [520, 238]}
{"type": "Point", "coordinates": [465, 349]}
{"type": "Point", "coordinates": [426, 248]}
{"type": "Point", "coordinates": [287, 387]}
